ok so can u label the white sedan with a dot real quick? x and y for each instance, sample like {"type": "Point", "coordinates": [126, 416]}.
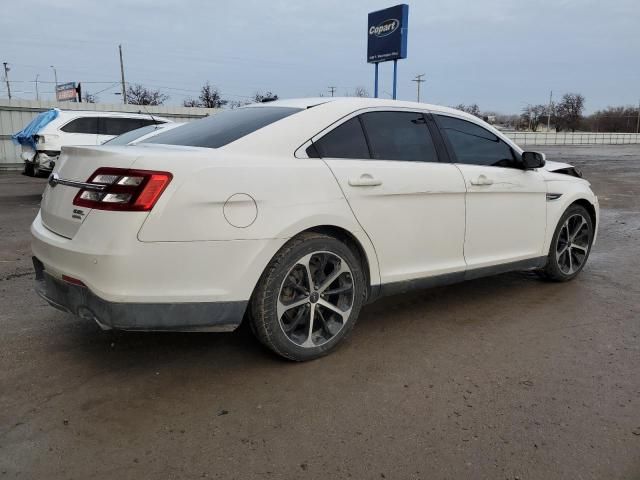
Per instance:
{"type": "Point", "coordinates": [294, 214]}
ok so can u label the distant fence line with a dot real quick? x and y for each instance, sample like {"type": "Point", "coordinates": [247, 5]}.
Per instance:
{"type": "Point", "coordinates": [16, 114]}
{"type": "Point", "coordinates": [570, 138]}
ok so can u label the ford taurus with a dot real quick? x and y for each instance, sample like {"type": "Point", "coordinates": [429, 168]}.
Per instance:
{"type": "Point", "coordinates": [294, 214]}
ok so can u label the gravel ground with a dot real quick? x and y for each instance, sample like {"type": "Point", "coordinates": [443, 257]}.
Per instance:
{"type": "Point", "coordinates": [499, 378]}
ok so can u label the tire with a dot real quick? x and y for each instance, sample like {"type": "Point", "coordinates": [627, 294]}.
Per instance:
{"type": "Point", "coordinates": [29, 170]}
{"type": "Point", "coordinates": [570, 245]}
{"type": "Point", "coordinates": [303, 318]}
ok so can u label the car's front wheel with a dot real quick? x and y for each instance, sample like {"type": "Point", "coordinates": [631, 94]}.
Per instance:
{"type": "Point", "coordinates": [570, 246]}
{"type": "Point", "coordinates": [309, 297]}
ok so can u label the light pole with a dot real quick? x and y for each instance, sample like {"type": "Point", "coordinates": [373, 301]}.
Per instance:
{"type": "Point", "coordinates": [549, 108]}
{"type": "Point", "coordinates": [418, 81]}
{"type": "Point", "coordinates": [37, 94]}
{"type": "Point", "coordinates": [55, 77]}
{"type": "Point", "coordinates": [6, 77]}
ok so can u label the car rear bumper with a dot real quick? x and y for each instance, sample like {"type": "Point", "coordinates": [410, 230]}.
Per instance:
{"type": "Point", "coordinates": [191, 316]}
{"type": "Point", "coordinates": [44, 161]}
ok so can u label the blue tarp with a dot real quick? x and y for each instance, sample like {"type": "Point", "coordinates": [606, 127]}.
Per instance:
{"type": "Point", "coordinates": [25, 136]}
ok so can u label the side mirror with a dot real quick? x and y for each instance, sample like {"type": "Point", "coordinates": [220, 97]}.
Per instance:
{"type": "Point", "coordinates": [532, 160]}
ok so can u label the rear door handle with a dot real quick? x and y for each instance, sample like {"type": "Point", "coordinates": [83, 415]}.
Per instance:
{"type": "Point", "coordinates": [365, 180]}
{"type": "Point", "coordinates": [482, 180]}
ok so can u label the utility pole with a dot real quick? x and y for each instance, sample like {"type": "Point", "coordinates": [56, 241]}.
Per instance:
{"type": "Point", "coordinates": [55, 76]}
{"type": "Point", "coordinates": [332, 90]}
{"type": "Point", "coordinates": [638, 121]}
{"type": "Point", "coordinates": [37, 93]}
{"type": "Point", "coordinates": [549, 110]}
{"type": "Point", "coordinates": [6, 77]}
{"type": "Point", "coordinates": [124, 90]}
{"type": "Point", "coordinates": [418, 81]}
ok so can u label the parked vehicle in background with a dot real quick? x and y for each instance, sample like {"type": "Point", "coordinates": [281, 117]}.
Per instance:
{"type": "Point", "coordinates": [44, 137]}
{"type": "Point", "coordinates": [140, 134]}
{"type": "Point", "coordinates": [293, 214]}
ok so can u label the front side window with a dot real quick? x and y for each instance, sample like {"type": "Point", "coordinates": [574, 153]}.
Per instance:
{"type": "Point", "coordinates": [87, 125]}
{"type": "Point", "coordinates": [475, 145]}
{"type": "Point", "coordinates": [399, 136]}
{"type": "Point", "coordinates": [345, 141]}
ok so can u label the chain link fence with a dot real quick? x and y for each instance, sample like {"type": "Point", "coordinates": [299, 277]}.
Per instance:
{"type": "Point", "coordinates": [569, 138]}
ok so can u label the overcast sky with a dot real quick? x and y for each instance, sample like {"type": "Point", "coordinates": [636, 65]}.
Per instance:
{"type": "Point", "coordinates": [501, 54]}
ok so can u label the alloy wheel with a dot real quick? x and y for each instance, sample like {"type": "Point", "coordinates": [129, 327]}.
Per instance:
{"type": "Point", "coordinates": [573, 244]}
{"type": "Point", "coordinates": [315, 299]}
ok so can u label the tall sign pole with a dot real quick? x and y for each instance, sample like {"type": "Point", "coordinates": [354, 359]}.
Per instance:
{"type": "Point", "coordinates": [387, 32]}
{"type": "Point", "coordinates": [375, 82]}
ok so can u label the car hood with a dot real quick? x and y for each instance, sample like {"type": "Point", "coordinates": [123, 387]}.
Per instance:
{"type": "Point", "coordinates": [553, 166]}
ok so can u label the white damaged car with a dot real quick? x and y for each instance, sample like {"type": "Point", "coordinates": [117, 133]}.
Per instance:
{"type": "Point", "coordinates": [294, 214]}
{"type": "Point", "coordinates": [41, 149]}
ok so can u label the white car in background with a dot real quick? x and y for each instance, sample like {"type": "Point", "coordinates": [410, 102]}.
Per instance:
{"type": "Point", "coordinates": [140, 134]}
{"type": "Point", "coordinates": [75, 127]}
{"type": "Point", "coordinates": [294, 214]}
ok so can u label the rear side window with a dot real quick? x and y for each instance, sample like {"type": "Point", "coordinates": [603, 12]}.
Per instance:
{"type": "Point", "coordinates": [344, 141]}
{"type": "Point", "coordinates": [399, 136]}
{"type": "Point", "coordinates": [82, 125]}
{"type": "Point", "coordinates": [475, 145]}
{"type": "Point", "coordinates": [118, 126]}
{"type": "Point", "coordinates": [222, 128]}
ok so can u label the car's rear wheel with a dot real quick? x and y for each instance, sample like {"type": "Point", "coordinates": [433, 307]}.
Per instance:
{"type": "Point", "coordinates": [570, 246]}
{"type": "Point", "coordinates": [309, 297]}
{"type": "Point", "coordinates": [29, 169]}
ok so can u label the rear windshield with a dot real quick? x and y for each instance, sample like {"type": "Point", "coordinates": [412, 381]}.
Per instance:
{"type": "Point", "coordinates": [222, 128]}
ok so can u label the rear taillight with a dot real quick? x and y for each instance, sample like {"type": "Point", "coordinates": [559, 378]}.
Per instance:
{"type": "Point", "coordinates": [123, 189]}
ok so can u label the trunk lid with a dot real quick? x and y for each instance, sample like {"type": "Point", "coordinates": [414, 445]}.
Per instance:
{"type": "Point", "coordinates": [58, 212]}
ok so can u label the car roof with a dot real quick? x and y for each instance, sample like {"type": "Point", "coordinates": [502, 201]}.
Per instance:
{"type": "Point", "coordinates": [321, 113]}
{"type": "Point", "coordinates": [357, 103]}
{"type": "Point", "coordinates": [69, 114]}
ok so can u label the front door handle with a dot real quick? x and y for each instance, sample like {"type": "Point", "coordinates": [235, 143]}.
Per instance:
{"type": "Point", "coordinates": [365, 180]}
{"type": "Point", "coordinates": [482, 180]}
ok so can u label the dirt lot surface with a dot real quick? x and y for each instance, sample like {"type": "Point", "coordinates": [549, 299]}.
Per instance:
{"type": "Point", "coordinates": [500, 378]}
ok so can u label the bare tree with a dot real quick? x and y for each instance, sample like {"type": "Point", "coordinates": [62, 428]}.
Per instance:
{"type": "Point", "coordinates": [568, 113]}
{"type": "Point", "coordinates": [614, 119]}
{"type": "Point", "coordinates": [210, 97]}
{"type": "Point", "coordinates": [267, 97]}
{"type": "Point", "coordinates": [473, 109]}
{"type": "Point", "coordinates": [360, 91]}
{"type": "Point", "coordinates": [233, 104]}
{"type": "Point", "coordinates": [139, 95]}
{"type": "Point", "coordinates": [191, 102]}
{"type": "Point", "coordinates": [532, 116]}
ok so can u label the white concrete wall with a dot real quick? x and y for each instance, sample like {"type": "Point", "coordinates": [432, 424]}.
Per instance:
{"type": "Point", "coordinates": [16, 114]}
